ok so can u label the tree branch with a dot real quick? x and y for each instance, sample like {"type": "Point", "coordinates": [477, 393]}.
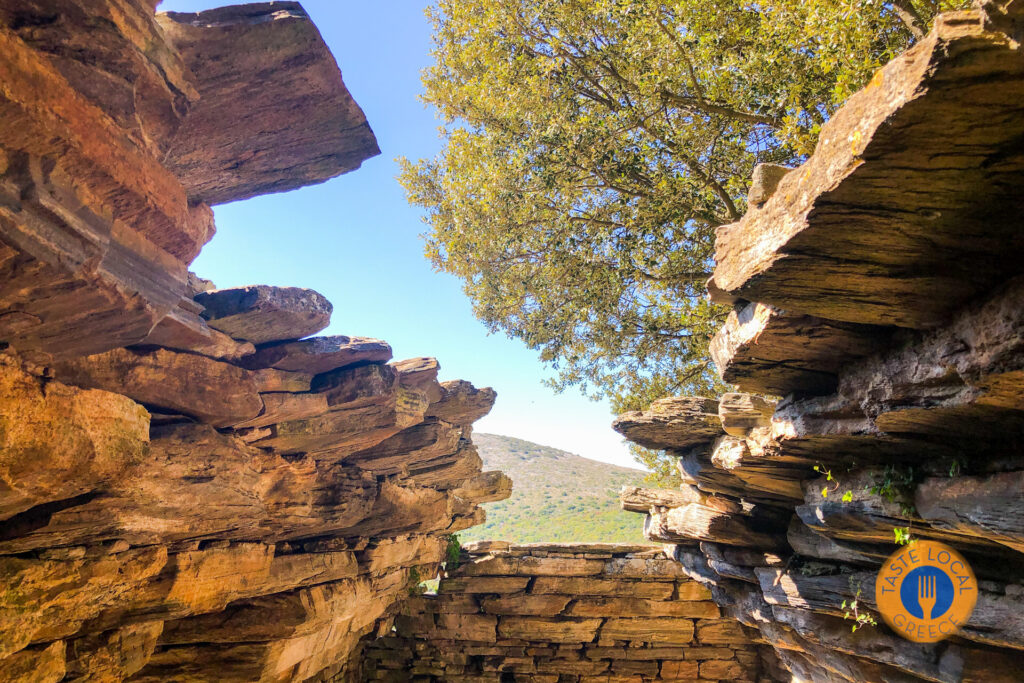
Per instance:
{"type": "Point", "coordinates": [904, 9]}
{"type": "Point", "coordinates": [700, 105]}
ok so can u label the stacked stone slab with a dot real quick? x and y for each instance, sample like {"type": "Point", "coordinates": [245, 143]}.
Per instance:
{"type": "Point", "coordinates": [192, 488]}
{"type": "Point", "coordinates": [878, 324]}
{"type": "Point", "coordinates": [550, 613]}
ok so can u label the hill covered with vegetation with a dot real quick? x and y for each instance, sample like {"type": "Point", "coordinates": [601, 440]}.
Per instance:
{"type": "Point", "coordinates": [557, 496]}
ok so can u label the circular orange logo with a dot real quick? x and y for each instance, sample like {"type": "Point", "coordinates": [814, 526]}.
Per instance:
{"type": "Point", "coordinates": [926, 591]}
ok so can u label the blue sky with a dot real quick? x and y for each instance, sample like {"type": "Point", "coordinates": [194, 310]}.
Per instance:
{"type": "Point", "coordinates": [357, 241]}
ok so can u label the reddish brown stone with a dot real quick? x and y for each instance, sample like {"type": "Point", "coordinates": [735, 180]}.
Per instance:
{"type": "Point", "coordinates": [300, 126]}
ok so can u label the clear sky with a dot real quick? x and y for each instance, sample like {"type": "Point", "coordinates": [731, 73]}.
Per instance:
{"type": "Point", "coordinates": [356, 240]}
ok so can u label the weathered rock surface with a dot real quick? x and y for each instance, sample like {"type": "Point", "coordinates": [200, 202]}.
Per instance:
{"type": "Point", "coordinates": [300, 127]}
{"type": "Point", "coordinates": [765, 349]}
{"type": "Point", "coordinates": [514, 611]}
{"type": "Point", "coordinates": [154, 531]}
{"type": "Point", "coordinates": [319, 354]}
{"type": "Point", "coordinates": [261, 314]}
{"type": "Point", "coordinates": [211, 391]}
{"type": "Point", "coordinates": [59, 442]}
{"type": "Point", "coordinates": [896, 219]}
{"type": "Point", "coordinates": [636, 499]}
{"type": "Point", "coordinates": [905, 216]}
{"type": "Point", "coordinates": [671, 423]}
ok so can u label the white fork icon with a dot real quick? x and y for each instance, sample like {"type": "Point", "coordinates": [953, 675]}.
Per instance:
{"type": "Point", "coordinates": [926, 595]}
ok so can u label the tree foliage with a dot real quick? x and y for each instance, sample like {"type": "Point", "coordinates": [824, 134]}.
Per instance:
{"type": "Point", "coordinates": [593, 146]}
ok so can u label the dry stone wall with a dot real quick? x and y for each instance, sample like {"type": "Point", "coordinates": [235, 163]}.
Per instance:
{"type": "Point", "coordinates": [878, 326]}
{"type": "Point", "coordinates": [191, 488]}
{"type": "Point", "coordinates": [559, 613]}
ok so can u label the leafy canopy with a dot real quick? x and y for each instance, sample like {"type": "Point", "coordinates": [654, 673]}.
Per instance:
{"type": "Point", "coordinates": [593, 146]}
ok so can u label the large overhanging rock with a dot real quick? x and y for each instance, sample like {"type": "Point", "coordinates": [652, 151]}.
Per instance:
{"type": "Point", "coordinates": [908, 207]}
{"type": "Point", "coordinates": [319, 354]}
{"type": "Point", "coordinates": [300, 126]}
{"type": "Point", "coordinates": [95, 233]}
{"type": "Point", "coordinates": [212, 391]}
{"type": "Point", "coordinates": [672, 423]}
{"type": "Point", "coordinates": [752, 527]}
{"type": "Point", "coordinates": [107, 112]}
{"type": "Point", "coordinates": [261, 314]}
{"type": "Point", "coordinates": [116, 57]}
{"type": "Point", "coordinates": [71, 141]}
{"type": "Point", "coordinates": [82, 274]}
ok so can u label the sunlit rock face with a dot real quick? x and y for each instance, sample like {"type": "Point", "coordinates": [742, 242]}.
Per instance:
{"type": "Point", "coordinates": [187, 490]}
{"type": "Point", "coordinates": [878, 326]}
{"type": "Point", "coordinates": [264, 68]}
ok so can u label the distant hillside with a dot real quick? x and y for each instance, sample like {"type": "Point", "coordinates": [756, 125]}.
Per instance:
{"type": "Point", "coordinates": [556, 496]}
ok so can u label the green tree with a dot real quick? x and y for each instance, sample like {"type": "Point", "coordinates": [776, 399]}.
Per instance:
{"type": "Point", "coordinates": [593, 146]}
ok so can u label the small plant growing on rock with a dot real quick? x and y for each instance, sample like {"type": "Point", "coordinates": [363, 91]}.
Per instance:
{"type": "Point", "coordinates": [851, 610]}
{"type": "Point", "coordinates": [415, 583]}
{"type": "Point", "coordinates": [820, 469]}
{"type": "Point", "coordinates": [897, 486]}
{"type": "Point", "coordinates": [811, 568]}
{"type": "Point", "coordinates": [452, 553]}
{"type": "Point", "coordinates": [956, 467]}
{"type": "Point", "coordinates": [902, 535]}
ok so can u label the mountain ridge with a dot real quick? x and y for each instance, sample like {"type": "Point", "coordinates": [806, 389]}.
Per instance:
{"type": "Point", "coordinates": [557, 496]}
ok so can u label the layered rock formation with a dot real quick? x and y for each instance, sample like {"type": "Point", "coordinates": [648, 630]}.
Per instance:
{"type": "Point", "coordinates": [550, 613]}
{"type": "Point", "coordinates": [118, 132]}
{"type": "Point", "coordinates": [877, 291]}
{"type": "Point", "coordinates": [189, 489]}
{"type": "Point", "coordinates": [193, 489]}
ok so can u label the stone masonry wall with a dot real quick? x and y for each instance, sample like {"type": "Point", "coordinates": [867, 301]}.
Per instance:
{"type": "Point", "coordinates": [550, 613]}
